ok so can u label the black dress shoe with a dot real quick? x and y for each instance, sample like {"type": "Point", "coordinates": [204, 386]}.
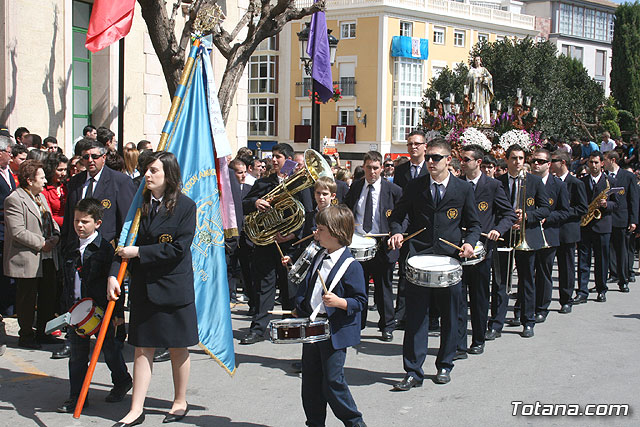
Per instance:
{"type": "Point", "coordinates": [251, 338]}
{"type": "Point", "coordinates": [118, 392]}
{"type": "Point", "coordinates": [407, 384]}
{"type": "Point", "coordinates": [69, 406]}
{"type": "Point", "coordinates": [460, 355]}
{"type": "Point", "coordinates": [387, 336]}
{"type": "Point", "coordinates": [527, 332]}
{"type": "Point", "coordinates": [434, 326]}
{"type": "Point", "coordinates": [162, 355]}
{"type": "Point", "coordinates": [632, 279]}
{"type": "Point", "coordinates": [492, 334]}
{"type": "Point", "coordinates": [513, 322]}
{"type": "Point", "coordinates": [594, 289]}
{"type": "Point", "coordinates": [135, 422]}
{"type": "Point", "coordinates": [373, 307]}
{"type": "Point", "coordinates": [540, 318]}
{"type": "Point", "coordinates": [296, 367]}
{"type": "Point", "coordinates": [580, 299]}
{"type": "Point", "coordinates": [602, 297]}
{"type": "Point", "coordinates": [400, 324]}
{"type": "Point", "coordinates": [442, 377]}
{"type": "Point", "coordinates": [29, 343]}
{"type": "Point", "coordinates": [565, 309]}
{"type": "Point", "coordinates": [252, 312]}
{"type": "Point", "coordinates": [476, 349]}
{"type": "Point", "coordinates": [611, 280]}
{"type": "Point", "coordinates": [170, 418]}
{"type": "Point", "coordinates": [624, 288]}
{"type": "Point", "coordinates": [63, 353]}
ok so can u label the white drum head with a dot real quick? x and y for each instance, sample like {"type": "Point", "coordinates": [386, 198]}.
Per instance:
{"type": "Point", "coordinates": [81, 311]}
{"type": "Point", "coordinates": [433, 263]}
{"type": "Point", "coordinates": [358, 241]}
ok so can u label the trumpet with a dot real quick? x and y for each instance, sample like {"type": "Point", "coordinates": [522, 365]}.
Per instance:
{"type": "Point", "coordinates": [522, 205]}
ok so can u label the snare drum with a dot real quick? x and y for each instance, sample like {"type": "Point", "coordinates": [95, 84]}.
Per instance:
{"type": "Point", "coordinates": [433, 271]}
{"type": "Point", "coordinates": [289, 331]}
{"type": "Point", "coordinates": [86, 317]}
{"type": "Point", "coordinates": [480, 254]}
{"type": "Point", "coordinates": [363, 248]}
{"type": "Point", "coordinates": [302, 265]}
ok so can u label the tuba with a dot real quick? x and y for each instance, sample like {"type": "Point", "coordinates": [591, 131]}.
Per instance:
{"type": "Point", "coordinates": [522, 201]}
{"type": "Point", "coordinates": [286, 213]}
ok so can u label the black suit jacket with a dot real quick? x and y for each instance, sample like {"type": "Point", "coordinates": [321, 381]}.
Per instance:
{"type": "Point", "coordinates": [390, 194]}
{"type": "Point", "coordinates": [627, 211]}
{"type": "Point", "coordinates": [570, 228]}
{"type": "Point", "coordinates": [494, 208]}
{"type": "Point", "coordinates": [537, 207]}
{"type": "Point", "coordinates": [114, 189]}
{"type": "Point", "coordinates": [402, 174]}
{"type": "Point", "coordinates": [457, 209]}
{"type": "Point", "coordinates": [604, 224]}
{"type": "Point", "coordinates": [559, 209]}
{"type": "Point", "coordinates": [5, 190]}
{"type": "Point", "coordinates": [163, 267]}
{"type": "Point", "coordinates": [94, 271]}
{"type": "Point", "coordinates": [341, 191]}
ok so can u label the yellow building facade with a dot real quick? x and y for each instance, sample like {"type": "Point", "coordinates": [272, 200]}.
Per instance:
{"type": "Point", "coordinates": [386, 90]}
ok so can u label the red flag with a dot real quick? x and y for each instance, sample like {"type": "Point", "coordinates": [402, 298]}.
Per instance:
{"type": "Point", "coordinates": [110, 21]}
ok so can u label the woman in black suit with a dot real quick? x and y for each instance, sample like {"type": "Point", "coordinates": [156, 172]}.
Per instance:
{"type": "Point", "coordinates": [163, 312]}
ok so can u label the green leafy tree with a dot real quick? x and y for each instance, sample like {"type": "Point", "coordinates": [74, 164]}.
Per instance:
{"type": "Point", "coordinates": [625, 58]}
{"type": "Point", "coordinates": [560, 87]}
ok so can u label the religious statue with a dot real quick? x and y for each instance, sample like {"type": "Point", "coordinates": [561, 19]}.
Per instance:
{"type": "Point", "coordinates": [481, 83]}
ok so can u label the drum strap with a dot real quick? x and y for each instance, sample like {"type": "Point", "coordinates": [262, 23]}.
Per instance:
{"type": "Point", "coordinates": [343, 269]}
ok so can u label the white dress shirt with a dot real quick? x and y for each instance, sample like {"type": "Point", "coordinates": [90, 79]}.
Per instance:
{"type": "Point", "coordinates": [77, 286]}
{"type": "Point", "coordinates": [362, 200]}
{"type": "Point", "coordinates": [95, 183]}
{"type": "Point", "coordinates": [325, 268]}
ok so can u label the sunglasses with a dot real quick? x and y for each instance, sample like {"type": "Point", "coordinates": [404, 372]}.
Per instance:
{"type": "Point", "coordinates": [539, 161]}
{"type": "Point", "coordinates": [388, 165]}
{"type": "Point", "coordinates": [556, 160]}
{"type": "Point", "coordinates": [93, 156]}
{"type": "Point", "coordinates": [415, 144]}
{"type": "Point", "coordinates": [467, 160]}
{"type": "Point", "coordinates": [435, 157]}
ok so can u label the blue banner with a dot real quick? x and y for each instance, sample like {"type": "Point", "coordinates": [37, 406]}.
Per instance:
{"type": "Point", "coordinates": [410, 47]}
{"type": "Point", "coordinates": [190, 139]}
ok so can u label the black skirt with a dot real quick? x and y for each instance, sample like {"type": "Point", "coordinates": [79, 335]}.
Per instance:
{"type": "Point", "coordinates": [152, 325]}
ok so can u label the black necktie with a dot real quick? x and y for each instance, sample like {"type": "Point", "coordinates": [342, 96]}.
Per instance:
{"type": "Point", "coordinates": [414, 171]}
{"type": "Point", "coordinates": [513, 191]}
{"type": "Point", "coordinates": [367, 222]}
{"type": "Point", "coordinates": [473, 186]}
{"type": "Point", "coordinates": [154, 208]}
{"type": "Point", "coordinates": [436, 195]}
{"type": "Point", "coordinates": [89, 192]}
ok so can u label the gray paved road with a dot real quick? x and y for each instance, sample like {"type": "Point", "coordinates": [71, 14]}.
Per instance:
{"type": "Point", "coordinates": [589, 356]}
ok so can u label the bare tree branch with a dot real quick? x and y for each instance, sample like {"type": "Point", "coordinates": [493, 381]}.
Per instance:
{"type": "Point", "coordinates": [174, 12]}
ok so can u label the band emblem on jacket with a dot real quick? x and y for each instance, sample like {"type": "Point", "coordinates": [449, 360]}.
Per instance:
{"type": "Point", "coordinates": [106, 203]}
{"type": "Point", "coordinates": [165, 238]}
{"type": "Point", "coordinates": [550, 201]}
{"type": "Point", "coordinates": [621, 192]}
{"type": "Point", "coordinates": [483, 206]}
{"type": "Point", "coordinates": [530, 201]}
{"type": "Point", "coordinates": [388, 213]}
{"type": "Point", "coordinates": [452, 213]}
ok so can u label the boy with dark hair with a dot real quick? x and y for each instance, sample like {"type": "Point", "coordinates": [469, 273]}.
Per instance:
{"type": "Point", "coordinates": [323, 362]}
{"type": "Point", "coordinates": [86, 269]}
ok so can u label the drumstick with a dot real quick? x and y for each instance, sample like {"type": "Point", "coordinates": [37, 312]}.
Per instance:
{"type": "Point", "coordinates": [280, 250]}
{"type": "Point", "coordinates": [413, 235]}
{"type": "Point", "coordinates": [452, 245]}
{"type": "Point", "coordinates": [280, 312]}
{"type": "Point", "coordinates": [483, 234]}
{"type": "Point", "coordinates": [304, 239]}
{"type": "Point", "coordinates": [380, 234]}
{"type": "Point", "coordinates": [326, 291]}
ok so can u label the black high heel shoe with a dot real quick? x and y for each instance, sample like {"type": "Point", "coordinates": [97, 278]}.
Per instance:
{"type": "Point", "coordinates": [135, 422]}
{"type": "Point", "coordinates": [171, 418]}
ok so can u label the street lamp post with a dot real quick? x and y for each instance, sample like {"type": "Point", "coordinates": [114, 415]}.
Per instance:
{"type": "Point", "coordinates": [303, 36]}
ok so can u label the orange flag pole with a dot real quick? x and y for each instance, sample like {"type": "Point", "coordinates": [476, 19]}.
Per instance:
{"type": "Point", "coordinates": [98, 347]}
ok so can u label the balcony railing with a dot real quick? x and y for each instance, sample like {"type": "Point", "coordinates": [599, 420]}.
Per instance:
{"type": "Point", "coordinates": [347, 86]}
{"type": "Point", "coordinates": [443, 7]}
